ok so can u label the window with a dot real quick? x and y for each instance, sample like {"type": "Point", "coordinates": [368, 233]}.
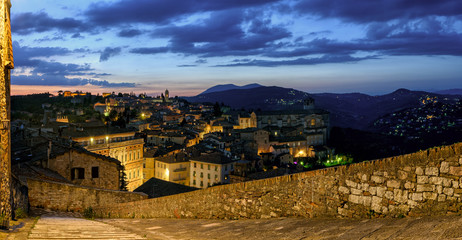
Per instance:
{"type": "Point", "coordinates": [208, 167]}
{"type": "Point", "coordinates": [208, 175]}
{"type": "Point", "coordinates": [95, 172]}
{"type": "Point", "coordinates": [202, 174]}
{"type": "Point", "coordinates": [226, 167]}
{"type": "Point", "coordinates": [194, 182]}
{"type": "Point", "coordinates": [313, 122]}
{"type": "Point", "coordinates": [194, 173]}
{"type": "Point", "coordinates": [77, 173]}
{"type": "Point", "coordinates": [202, 183]}
{"type": "Point", "coordinates": [194, 164]}
{"type": "Point", "coordinates": [202, 166]}
{"type": "Point", "coordinates": [216, 178]}
{"type": "Point", "coordinates": [216, 168]}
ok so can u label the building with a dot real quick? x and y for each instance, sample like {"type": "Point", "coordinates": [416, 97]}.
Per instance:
{"type": "Point", "coordinates": [173, 168]}
{"type": "Point", "coordinates": [85, 168]}
{"type": "Point", "coordinates": [210, 169]}
{"type": "Point", "coordinates": [115, 143]}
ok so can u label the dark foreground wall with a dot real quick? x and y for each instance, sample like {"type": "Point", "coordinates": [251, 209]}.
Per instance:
{"type": "Point", "coordinates": [424, 183]}
{"type": "Point", "coordinates": [73, 198]}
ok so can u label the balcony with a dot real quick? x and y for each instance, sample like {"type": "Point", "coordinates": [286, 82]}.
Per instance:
{"type": "Point", "coordinates": [180, 169]}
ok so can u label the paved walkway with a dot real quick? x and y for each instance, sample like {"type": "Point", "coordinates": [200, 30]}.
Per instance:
{"type": "Point", "coordinates": [445, 227]}
{"type": "Point", "coordinates": [49, 227]}
{"type": "Point", "coordinates": [68, 226]}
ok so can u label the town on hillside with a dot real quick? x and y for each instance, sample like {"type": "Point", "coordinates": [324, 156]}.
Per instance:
{"type": "Point", "coordinates": [161, 145]}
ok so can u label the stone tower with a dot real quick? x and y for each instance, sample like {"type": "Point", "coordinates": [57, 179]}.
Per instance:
{"type": "Point", "coordinates": [6, 61]}
{"type": "Point", "coordinates": [166, 94]}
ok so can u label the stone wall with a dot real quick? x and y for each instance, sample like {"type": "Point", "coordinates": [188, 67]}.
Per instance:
{"type": "Point", "coordinates": [424, 183]}
{"type": "Point", "coordinates": [73, 198]}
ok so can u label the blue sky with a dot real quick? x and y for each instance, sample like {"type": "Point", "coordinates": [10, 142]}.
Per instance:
{"type": "Point", "coordinates": [187, 46]}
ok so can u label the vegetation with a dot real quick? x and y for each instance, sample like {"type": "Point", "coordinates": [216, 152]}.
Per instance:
{"type": "Point", "coordinates": [89, 213]}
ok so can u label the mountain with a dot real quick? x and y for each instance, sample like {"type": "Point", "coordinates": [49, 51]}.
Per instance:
{"type": "Point", "coordinates": [455, 91]}
{"type": "Point", "coordinates": [226, 87]}
{"type": "Point", "coordinates": [264, 98]}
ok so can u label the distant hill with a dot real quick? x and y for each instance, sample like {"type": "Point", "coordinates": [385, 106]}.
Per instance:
{"type": "Point", "coordinates": [455, 91]}
{"type": "Point", "coordinates": [226, 87]}
{"type": "Point", "coordinates": [353, 110]}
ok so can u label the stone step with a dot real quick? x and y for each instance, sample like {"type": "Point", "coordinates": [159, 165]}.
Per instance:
{"type": "Point", "coordinates": [49, 227]}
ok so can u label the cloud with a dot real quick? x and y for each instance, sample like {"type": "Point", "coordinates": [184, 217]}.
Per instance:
{"type": "Point", "coordinates": [159, 11]}
{"type": "Point", "coordinates": [221, 34]}
{"type": "Point", "coordinates": [42, 72]}
{"type": "Point", "coordinates": [50, 80]}
{"type": "Point", "coordinates": [153, 50]}
{"type": "Point", "coordinates": [27, 23]}
{"type": "Point", "coordinates": [128, 33]}
{"type": "Point", "coordinates": [299, 61]}
{"type": "Point", "coordinates": [109, 52]}
{"type": "Point", "coordinates": [378, 10]}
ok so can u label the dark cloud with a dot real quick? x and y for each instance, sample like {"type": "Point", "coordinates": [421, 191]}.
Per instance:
{"type": "Point", "coordinates": [53, 73]}
{"type": "Point", "coordinates": [379, 10]}
{"type": "Point", "coordinates": [299, 61]}
{"type": "Point", "coordinates": [128, 33]}
{"type": "Point", "coordinates": [187, 65]}
{"type": "Point", "coordinates": [53, 80]}
{"type": "Point", "coordinates": [109, 52]}
{"type": "Point", "coordinates": [27, 23]}
{"type": "Point", "coordinates": [153, 50]}
{"type": "Point", "coordinates": [159, 11]}
{"type": "Point", "coordinates": [201, 61]}
{"type": "Point", "coordinates": [77, 35]}
{"type": "Point", "coordinates": [221, 34]}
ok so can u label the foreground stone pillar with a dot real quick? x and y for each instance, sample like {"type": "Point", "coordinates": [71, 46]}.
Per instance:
{"type": "Point", "coordinates": [6, 63]}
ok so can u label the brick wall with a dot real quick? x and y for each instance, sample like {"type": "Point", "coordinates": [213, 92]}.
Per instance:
{"type": "Point", "coordinates": [68, 197]}
{"type": "Point", "coordinates": [424, 183]}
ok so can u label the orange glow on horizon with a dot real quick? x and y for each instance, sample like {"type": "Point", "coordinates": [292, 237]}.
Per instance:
{"type": "Point", "coordinates": [94, 90]}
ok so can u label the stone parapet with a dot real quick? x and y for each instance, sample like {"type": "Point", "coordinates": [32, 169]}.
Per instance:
{"type": "Point", "coordinates": [424, 183]}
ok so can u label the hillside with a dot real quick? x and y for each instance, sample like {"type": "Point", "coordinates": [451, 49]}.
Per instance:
{"type": "Point", "coordinates": [353, 110]}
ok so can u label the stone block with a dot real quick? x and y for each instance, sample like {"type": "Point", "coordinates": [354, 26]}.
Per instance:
{"type": "Point", "coordinates": [400, 195]}
{"type": "Point", "coordinates": [381, 191]}
{"type": "Point", "coordinates": [422, 179]}
{"type": "Point", "coordinates": [389, 195]}
{"type": "Point", "coordinates": [419, 171]}
{"type": "Point", "coordinates": [393, 183]}
{"type": "Point", "coordinates": [460, 160]}
{"type": "Point", "coordinates": [356, 191]}
{"type": "Point", "coordinates": [365, 178]}
{"type": "Point", "coordinates": [444, 167]}
{"type": "Point", "coordinates": [417, 196]}
{"type": "Point", "coordinates": [447, 182]}
{"type": "Point", "coordinates": [436, 180]}
{"type": "Point", "coordinates": [457, 171]}
{"type": "Point", "coordinates": [448, 191]}
{"type": "Point", "coordinates": [455, 184]}
{"type": "Point", "coordinates": [409, 185]}
{"type": "Point", "coordinates": [354, 199]}
{"type": "Point", "coordinates": [350, 183]}
{"type": "Point", "coordinates": [431, 171]}
{"type": "Point", "coordinates": [376, 204]}
{"type": "Point", "coordinates": [458, 191]}
{"type": "Point", "coordinates": [424, 188]}
{"type": "Point", "coordinates": [377, 179]}
{"type": "Point", "coordinates": [373, 190]}
{"type": "Point", "coordinates": [344, 190]}
{"type": "Point", "coordinates": [363, 186]}
{"type": "Point", "coordinates": [402, 174]}
{"type": "Point", "coordinates": [407, 169]}
{"type": "Point", "coordinates": [441, 198]}
{"type": "Point", "coordinates": [439, 189]}
{"type": "Point", "coordinates": [412, 203]}
{"type": "Point", "coordinates": [430, 195]}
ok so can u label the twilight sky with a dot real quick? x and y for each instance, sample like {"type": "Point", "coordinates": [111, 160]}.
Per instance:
{"type": "Point", "coordinates": [187, 46]}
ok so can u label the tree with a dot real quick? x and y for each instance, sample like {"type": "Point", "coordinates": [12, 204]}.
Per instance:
{"type": "Point", "coordinates": [217, 110]}
{"type": "Point", "coordinates": [113, 115]}
{"type": "Point", "coordinates": [123, 179]}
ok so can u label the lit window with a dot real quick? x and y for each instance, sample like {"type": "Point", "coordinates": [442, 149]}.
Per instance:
{"type": "Point", "coordinates": [194, 173]}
